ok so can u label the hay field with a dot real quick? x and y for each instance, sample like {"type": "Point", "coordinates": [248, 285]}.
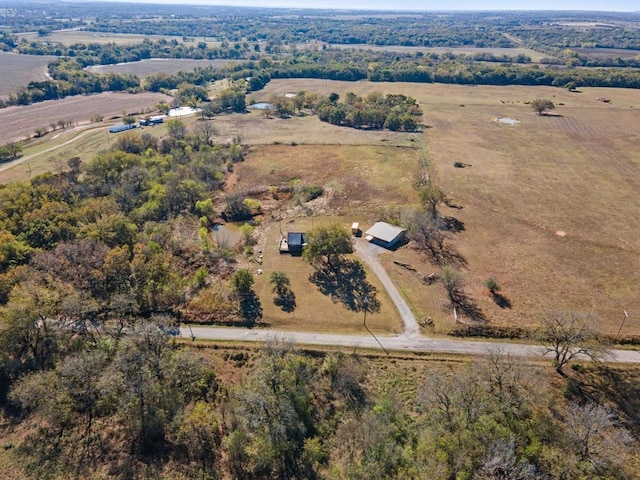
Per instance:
{"type": "Point", "coordinates": [71, 36]}
{"type": "Point", "coordinates": [17, 71]}
{"type": "Point", "coordinates": [550, 206]}
{"type": "Point", "coordinates": [17, 123]}
{"type": "Point", "coordinates": [314, 311]}
{"type": "Point", "coordinates": [143, 68]}
{"type": "Point", "coordinates": [497, 51]}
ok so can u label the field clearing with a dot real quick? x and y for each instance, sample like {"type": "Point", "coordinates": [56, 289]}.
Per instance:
{"type": "Point", "coordinates": [144, 68]}
{"type": "Point", "coordinates": [358, 179]}
{"type": "Point", "coordinates": [497, 51]}
{"type": "Point", "coordinates": [69, 37]}
{"type": "Point", "coordinates": [17, 71]}
{"type": "Point", "coordinates": [607, 52]}
{"type": "Point", "coordinates": [315, 311]}
{"type": "Point", "coordinates": [255, 129]}
{"type": "Point", "coordinates": [549, 206]}
{"type": "Point", "coordinates": [17, 123]}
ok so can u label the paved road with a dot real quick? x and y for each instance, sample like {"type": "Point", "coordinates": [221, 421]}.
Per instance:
{"type": "Point", "coordinates": [403, 342]}
{"type": "Point", "coordinates": [368, 253]}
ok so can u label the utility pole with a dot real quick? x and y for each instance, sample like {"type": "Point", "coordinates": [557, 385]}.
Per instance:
{"type": "Point", "coordinates": [626, 315]}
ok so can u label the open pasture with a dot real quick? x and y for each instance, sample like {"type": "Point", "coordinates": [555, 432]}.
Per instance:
{"type": "Point", "coordinates": [17, 123]}
{"type": "Point", "coordinates": [314, 311]}
{"type": "Point", "coordinates": [144, 68]}
{"type": "Point", "coordinates": [17, 71]}
{"type": "Point", "coordinates": [256, 129]}
{"type": "Point", "coordinates": [358, 179]}
{"type": "Point", "coordinates": [549, 205]}
{"type": "Point", "coordinates": [512, 52]}
{"type": "Point", "coordinates": [69, 37]}
{"type": "Point", "coordinates": [607, 52]}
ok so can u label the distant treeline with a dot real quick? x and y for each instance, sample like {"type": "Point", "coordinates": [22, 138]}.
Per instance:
{"type": "Point", "coordinates": [68, 78]}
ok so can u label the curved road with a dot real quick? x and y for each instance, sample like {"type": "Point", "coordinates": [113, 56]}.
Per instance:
{"type": "Point", "coordinates": [84, 130]}
{"type": "Point", "coordinates": [404, 342]}
{"type": "Point", "coordinates": [368, 253]}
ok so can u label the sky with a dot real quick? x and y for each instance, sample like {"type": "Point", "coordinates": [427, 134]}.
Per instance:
{"type": "Point", "coordinates": [437, 5]}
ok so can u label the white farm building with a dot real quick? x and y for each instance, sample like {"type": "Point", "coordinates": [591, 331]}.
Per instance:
{"type": "Point", "coordinates": [385, 234]}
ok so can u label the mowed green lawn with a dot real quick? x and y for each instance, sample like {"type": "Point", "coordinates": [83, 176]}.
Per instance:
{"type": "Point", "coordinates": [314, 311]}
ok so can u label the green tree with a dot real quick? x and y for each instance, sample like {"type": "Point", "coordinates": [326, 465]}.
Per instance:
{"type": "Point", "coordinates": [542, 105]}
{"type": "Point", "coordinates": [242, 281]}
{"type": "Point", "coordinates": [176, 128]}
{"type": "Point", "coordinates": [327, 244]}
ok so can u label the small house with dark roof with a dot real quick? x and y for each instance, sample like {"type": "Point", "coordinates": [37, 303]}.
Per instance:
{"type": "Point", "coordinates": [293, 243]}
{"type": "Point", "coordinates": [385, 235]}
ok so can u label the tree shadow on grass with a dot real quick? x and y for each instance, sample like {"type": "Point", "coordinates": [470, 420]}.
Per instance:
{"type": "Point", "coordinates": [467, 307]}
{"type": "Point", "coordinates": [347, 284]}
{"type": "Point", "coordinates": [250, 309]}
{"type": "Point", "coordinates": [286, 300]}
{"type": "Point", "coordinates": [501, 300]}
{"type": "Point", "coordinates": [452, 224]}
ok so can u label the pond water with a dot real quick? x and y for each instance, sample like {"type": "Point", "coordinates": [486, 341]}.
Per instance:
{"type": "Point", "coordinates": [262, 106]}
{"type": "Point", "coordinates": [508, 121]}
{"type": "Point", "coordinates": [227, 234]}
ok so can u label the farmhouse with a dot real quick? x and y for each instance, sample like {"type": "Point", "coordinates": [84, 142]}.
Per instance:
{"type": "Point", "coordinates": [385, 235]}
{"type": "Point", "coordinates": [293, 243]}
{"type": "Point", "coordinates": [121, 127]}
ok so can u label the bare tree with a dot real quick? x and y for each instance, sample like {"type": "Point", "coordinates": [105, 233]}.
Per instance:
{"type": "Point", "coordinates": [592, 432]}
{"type": "Point", "coordinates": [567, 335]}
{"type": "Point", "coordinates": [452, 281]}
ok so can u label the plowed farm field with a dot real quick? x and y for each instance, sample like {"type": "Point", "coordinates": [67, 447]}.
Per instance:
{"type": "Point", "coordinates": [17, 123]}
{"type": "Point", "coordinates": [18, 70]}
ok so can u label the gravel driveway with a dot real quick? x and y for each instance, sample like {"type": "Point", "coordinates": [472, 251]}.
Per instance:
{"type": "Point", "coordinates": [368, 253]}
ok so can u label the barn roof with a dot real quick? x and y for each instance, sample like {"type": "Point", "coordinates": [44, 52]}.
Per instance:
{"type": "Point", "coordinates": [385, 231]}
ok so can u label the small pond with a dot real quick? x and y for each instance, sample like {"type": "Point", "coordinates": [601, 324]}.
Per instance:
{"type": "Point", "coordinates": [262, 106]}
{"type": "Point", "coordinates": [227, 234]}
{"type": "Point", "coordinates": [508, 121]}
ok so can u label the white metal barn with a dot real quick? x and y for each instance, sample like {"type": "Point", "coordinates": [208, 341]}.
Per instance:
{"type": "Point", "coordinates": [385, 234]}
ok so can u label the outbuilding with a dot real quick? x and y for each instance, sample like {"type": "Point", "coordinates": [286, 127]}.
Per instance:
{"type": "Point", "coordinates": [293, 243]}
{"type": "Point", "coordinates": [385, 234]}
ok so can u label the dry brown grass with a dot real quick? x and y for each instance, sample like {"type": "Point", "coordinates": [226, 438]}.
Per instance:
{"type": "Point", "coordinates": [18, 70]}
{"type": "Point", "coordinates": [359, 179]}
{"type": "Point", "coordinates": [68, 37]}
{"type": "Point", "coordinates": [577, 172]}
{"type": "Point", "coordinates": [314, 311]}
{"type": "Point", "coordinates": [143, 68]}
